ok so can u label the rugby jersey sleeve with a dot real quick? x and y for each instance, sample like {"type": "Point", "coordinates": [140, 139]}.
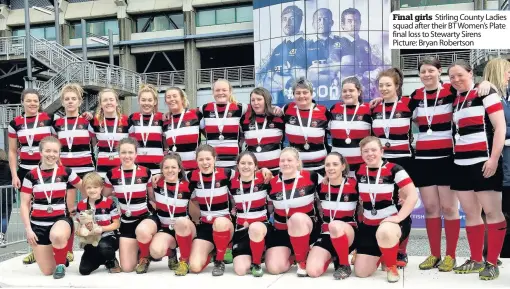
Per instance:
{"type": "Point", "coordinates": [130, 124]}
{"type": "Point", "coordinates": [314, 177]}
{"type": "Point", "coordinates": [27, 186]}
{"type": "Point", "coordinates": [92, 132]}
{"type": "Point", "coordinates": [114, 211]}
{"type": "Point", "coordinates": [53, 128]}
{"type": "Point", "coordinates": [402, 179]}
{"type": "Point", "coordinates": [12, 129]}
{"type": "Point", "coordinates": [492, 101]}
{"type": "Point", "coordinates": [202, 120]}
{"type": "Point", "coordinates": [192, 185]}
{"type": "Point", "coordinates": [413, 103]}
{"type": "Point", "coordinates": [149, 178]}
{"type": "Point", "coordinates": [73, 179]}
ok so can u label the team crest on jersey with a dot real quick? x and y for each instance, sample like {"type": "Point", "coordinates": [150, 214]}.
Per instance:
{"type": "Point", "coordinates": [119, 129]}
{"type": "Point", "coordinates": [346, 198]}
{"type": "Point", "coordinates": [279, 196]}
{"type": "Point", "coordinates": [103, 211]}
{"type": "Point", "coordinates": [138, 181]}
{"type": "Point", "coordinates": [188, 123]}
{"type": "Point", "coordinates": [212, 114]}
{"type": "Point", "coordinates": [199, 185]}
{"type": "Point", "coordinates": [398, 115]}
{"type": "Point", "coordinates": [468, 103]}
{"type": "Point", "coordinates": [179, 196]}
{"type": "Point", "coordinates": [239, 192]}
{"type": "Point", "coordinates": [378, 116]}
{"type": "Point", "coordinates": [314, 123]}
{"type": "Point", "coordinates": [252, 127]}
{"type": "Point", "coordinates": [101, 129]}
{"type": "Point", "coordinates": [380, 181]}
{"type": "Point", "coordinates": [80, 126]}
{"type": "Point", "coordinates": [41, 123]}
{"type": "Point", "coordinates": [229, 114]}
{"type": "Point", "coordinates": [155, 122]}
{"type": "Point", "coordinates": [360, 117]}
{"type": "Point", "coordinates": [217, 185]}
{"type": "Point", "coordinates": [271, 125]}
{"type": "Point", "coordinates": [363, 179]}
{"type": "Point", "coordinates": [439, 101]}
{"type": "Point", "coordinates": [421, 104]}
{"type": "Point", "coordinates": [255, 188]}
{"type": "Point", "coordinates": [58, 180]}
{"type": "Point", "coordinates": [119, 182]}
{"type": "Point", "coordinates": [292, 120]}
{"type": "Point", "coordinates": [302, 192]}
{"type": "Point", "coordinates": [338, 117]}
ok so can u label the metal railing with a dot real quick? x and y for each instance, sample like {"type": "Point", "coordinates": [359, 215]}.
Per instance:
{"type": "Point", "coordinates": [12, 230]}
{"type": "Point", "coordinates": [479, 56]}
{"type": "Point", "coordinates": [164, 79]}
{"type": "Point", "coordinates": [12, 46]}
{"type": "Point", "coordinates": [7, 113]}
{"type": "Point", "coordinates": [237, 76]}
{"type": "Point", "coordinates": [409, 62]}
{"type": "Point", "coordinates": [53, 55]}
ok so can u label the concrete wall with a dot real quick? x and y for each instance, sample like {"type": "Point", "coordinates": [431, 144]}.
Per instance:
{"type": "Point", "coordinates": [491, 5]}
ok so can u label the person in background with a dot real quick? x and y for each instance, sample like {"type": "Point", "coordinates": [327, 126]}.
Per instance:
{"type": "Point", "coordinates": [7, 197]}
{"type": "Point", "coordinates": [107, 216]}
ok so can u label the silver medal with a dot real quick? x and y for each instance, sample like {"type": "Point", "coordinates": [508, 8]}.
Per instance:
{"type": "Point", "coordinates": [128, 214]}
{"type": "Point", "coordinates": [429, 131]}
{"type": "Point", "coordinates": [171, 227]}
{"type": "Point", "coordinates": [111, 157]}
{"type": "Point", "coordinates": [49, 210]}
{"type": "Point", "coordinates": [174, 148]}
{"type": "Point", "coordinates": [388, 144]}
{"type": "Point", "coordinates": [374, 212]}
{"type": "Point", "coordinates": [306, 146]}
{"type": "Point", "coordinates": [457, 136]}
{"type": "Point", "coordinates": [221, 137]}
{"type": "Point", "coordinates": [209, 218]}
{"type": "Point", "coordinates": [259, 149]}
{"type": "Point", "coordinates": [348, 140]}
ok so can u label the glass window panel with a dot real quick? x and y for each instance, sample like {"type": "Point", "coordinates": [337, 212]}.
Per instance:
{"type": "Point", "coordinates": [113, 25]}
{"type": "Point", "coordinates": [96, 28]}
{"type": "Point", "coordinates": [140, 24]}
{"type": "Point", "coordinates": [161, 23]}
{"type": "Point", "coordinates": [76, 31]}
{"type": "Point", "coordinates": [178, 20]}
{"type": "Point", "coordinates": [18, 32]}
{"type": "Point", "coordinates": [50, 33]}
{"type": "Point", "coordinates": [226, 16]}
{"type": "Point", "coordinates": [205, 18]}
{"type": "Point", "coordinates": [37, 32]}
{"type": "Point", "coordinates": [244, 14]}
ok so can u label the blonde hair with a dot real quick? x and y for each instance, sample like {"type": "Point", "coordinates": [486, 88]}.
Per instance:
{"type": "Point", "coordinates": [294, 152]}
{"type": "Point", "coordinates": [231, 98]}
{"type": "Point", "coordinates": [184, 97]}
{"type": "Point", "coordinates": [92, 179]}
{"type": "Point", "coordinates": [49, 139]}
{"type": "Point", "coordinates": [494, 72]}
{"type": "Point", "coordinates": [72, 87]}
{"type": "Point", "coordinates": [99, 111]}
{"type": "Point", "coordinates": [368, 140]}
{"type": "Point", "coordinates": [152, 90]}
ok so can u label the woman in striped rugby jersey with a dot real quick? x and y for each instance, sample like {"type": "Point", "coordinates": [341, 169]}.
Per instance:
{"type": "Point", "coordinates": [479, 134]}
{"type": "Point", "coordinates": [146, 126]}
{"type": "Point", "coordinates": [47, 196]}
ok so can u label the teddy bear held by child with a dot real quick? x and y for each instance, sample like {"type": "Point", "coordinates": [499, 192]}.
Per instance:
{"type": "Point", "coordinates": [87, 229]}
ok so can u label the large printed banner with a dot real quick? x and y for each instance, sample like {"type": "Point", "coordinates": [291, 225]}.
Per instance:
{"type": "Point", "coordinates": [324, 40]}
{"type": "Point", "coordinates": [418, 215]}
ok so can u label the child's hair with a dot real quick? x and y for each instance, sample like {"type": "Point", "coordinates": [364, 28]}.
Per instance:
{"type": "Point", "coordinates": [184, 97]}
{"type": "Point", "coordinates": [48, 139]}
{"type": "Point", "coordinates": [72, 87]}
{"type": "Point", "coordinates": [296, 155]}
{"type": "Point", "coordinates": [368, 140]}
{"type": "Point", "coordinates": [345, 172]}
{"type": "Point", "coordinates": [99, 111]}
{"type": "Point", "coordinates": [92, 179]}
{"type": "Point", "coordinates": [206, 148]}
{"type": "Point", "coordinates": [174, 156]}
{"type": "Point", "coordinates": [231, 98]}
{"type": "Point", "coordinates": [152, 90]}
{"type": "Point", "coordinates": [246, 153]}
{"type": "Point", "coordinates": [127, 140]}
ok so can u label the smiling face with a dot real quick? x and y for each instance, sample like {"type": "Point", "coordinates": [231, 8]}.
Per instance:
{"type": "Point", "coordinates": [71, 102]}
{"type": "Point", "coordinates": [289, 164]}
{"type": "Point", "coordinates": [372, 153]}
{"type": "Point", "coordinates": [31, 104]}
{"type": "Point", "coordinates": [303, 98]}
{"type": "Point", "coordinates": [460, 78]}
{"type": "Point", "coordinates": [205, 161]}
{"type": "Point", "coordinates": [221, 92]}
{"type": "Point", "coordinates": [257, 103]}
{"type": "Point", "coordinates": [174, 101]}
{"type": "Point", "coordinates": [246, 167]}
{"type": "Point", "coordinates": [109, 102]}
{"type": "Point", "coordinates": [350, 94]}
{"type": "Point", "coordinates": [127, 154]}
{"type": "Point", "coordinates": [429, 75]}
{"type": "Point", "coordinates": [387, 88]}
{"type": "Point", "coordinates": [93, 192]}
{"type": "Point", "coordinates": [334, 167]}
{"type": "Point", "coordinates": [147, 102]}
{"type": "Point", "coordinates": [50, 153]}
{"type": "Point", "coordinates": [171, 170]}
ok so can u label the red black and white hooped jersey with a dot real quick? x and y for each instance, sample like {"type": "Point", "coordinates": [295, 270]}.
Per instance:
{"type": "Point", "coordinates": [104, 163]}
{"type": "Point", "coordinates": [393, 177]}
{"type": "Point", "coordinates": [440, 143]}
{"type": "Point", "coordinates": [475, 128]}
{"type": "Point", "coordinates": [228, 148]}
{"type": "Point", "coordinates": [149, 154]}
{"type": "Point", "coordinates": [65, 179]}
{"type": "Point", "coordinates": [187, 136]}
{"type": "Point", "coordinates": [136, 195]}
{"type": "Point", "coordinates": [313, 158]}
{"type": "Point", "coordinates": [79, 157]}
{"type": "Point", "coordinates": [105, 212]}
{"type": "Point", "coordinates": [359, 127]}
{"type": "Point", "coordinates": [341, 208]}
{"type": "Point", "coordinates": [303, 200]}
{"type": "Point", "coordinates": [217, 197]}
{"type": "Point", "coordinates": [42, 129]}
{"type": "Point", "coordinates": [254, 203]}
{"type": "Point", "coordinates": [170, 203]}
{"type": "Point", "coordinates": [271, 138]}
{"type": "Point", "coordinates": [399, 128]}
